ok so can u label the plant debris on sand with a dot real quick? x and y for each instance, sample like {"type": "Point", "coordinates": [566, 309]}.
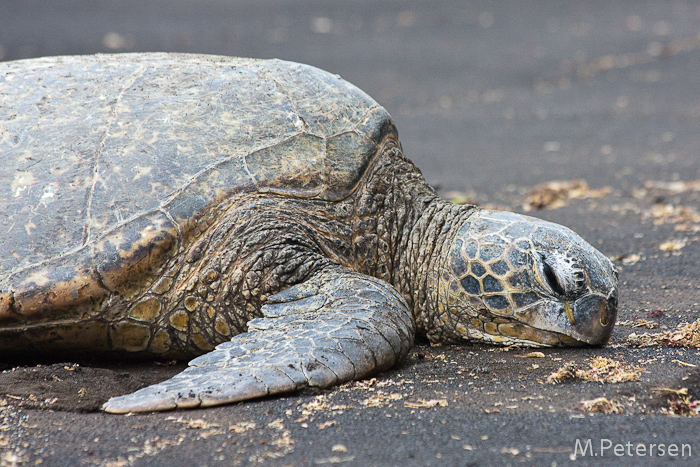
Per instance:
{"type": "Point", "coordinates": [602, 370]}
{"type": "Point", "coordinates": [556, 194]}
{"type": "Point", "coordinates": [679, 403]}
{"type": "Point", "coordinates": [685, 335]}
{"type": "Point", "coordinates": [601, 404]}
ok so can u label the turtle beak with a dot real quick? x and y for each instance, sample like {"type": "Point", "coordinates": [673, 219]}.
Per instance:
{"type": "Point", "coordinates": [593, 318]}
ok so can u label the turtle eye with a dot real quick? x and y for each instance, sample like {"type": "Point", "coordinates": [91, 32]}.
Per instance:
{"type": "Point", "coordinates": [551, 278]}
{"type": "Point", "coordinates": [560, 275]}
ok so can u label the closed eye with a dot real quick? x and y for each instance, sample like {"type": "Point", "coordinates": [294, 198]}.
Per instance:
{"type": "Point", "coordinates": [551, 277]}
{"type": "Point", "coordinates": [561, 276]}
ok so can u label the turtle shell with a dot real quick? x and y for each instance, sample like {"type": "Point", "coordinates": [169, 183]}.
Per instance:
{"type": "Point", "coordinates": [109, 160]}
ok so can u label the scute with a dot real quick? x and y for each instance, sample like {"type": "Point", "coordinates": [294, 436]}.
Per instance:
{"type": "Point", "coordinates": [92, 146]}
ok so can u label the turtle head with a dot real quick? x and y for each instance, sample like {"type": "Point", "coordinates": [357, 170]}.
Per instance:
{"type": "Point", "coordinates": [514, 279]}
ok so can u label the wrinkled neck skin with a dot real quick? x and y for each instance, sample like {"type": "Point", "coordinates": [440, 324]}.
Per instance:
{"type": "Point", "coordinates": [507, 279]}
{"type": "Point", "coordinates": [415, 230]}
{"type": "Point", "coordinates": [425, 249]}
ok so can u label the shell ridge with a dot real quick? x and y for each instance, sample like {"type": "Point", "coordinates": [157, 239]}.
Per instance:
{"type": "Point", "coordinates": [360, 121]}
{"type": "Point", "coordinates": [247, 169]}
{"type": "Point", "coordinates": [43, 262]}
{"type": "Point", "coordinates": [291, 101]}
{"type": "Point", "coordinates": [262, 148]}
{"type": "Point", "coordinates": [370, 164]}
{"type": "Point", "coordinates": [222, 161]}
{"type": "Point", "coordinates": [103, 141]}
{"type": "Point", "coordinates": [91, 245]}
{"type": "Point", "coordinates": [180, 235]}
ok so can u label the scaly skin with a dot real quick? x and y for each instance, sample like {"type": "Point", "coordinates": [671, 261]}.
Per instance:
{"type": "Point", "coordinates": [260, 213]}
{"type": "Point", "coordinates": [337, 326]}
{"type": "Point", "coordinates": [394, 227]}
{"type": "Point", "coordinates": [265, 243]}
{"type": "Point", "coordinates": [306, 270]}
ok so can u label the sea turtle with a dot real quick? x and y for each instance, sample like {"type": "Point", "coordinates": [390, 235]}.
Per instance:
{"type": "Point", "coordinates": [258, 214]}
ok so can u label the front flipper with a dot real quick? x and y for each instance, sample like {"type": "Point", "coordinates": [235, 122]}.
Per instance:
{"type": "Point", "coordinates": [337, 326]}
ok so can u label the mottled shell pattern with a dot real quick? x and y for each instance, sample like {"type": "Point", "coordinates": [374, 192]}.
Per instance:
{"type": "Point", "coordinates": [109, 159]}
